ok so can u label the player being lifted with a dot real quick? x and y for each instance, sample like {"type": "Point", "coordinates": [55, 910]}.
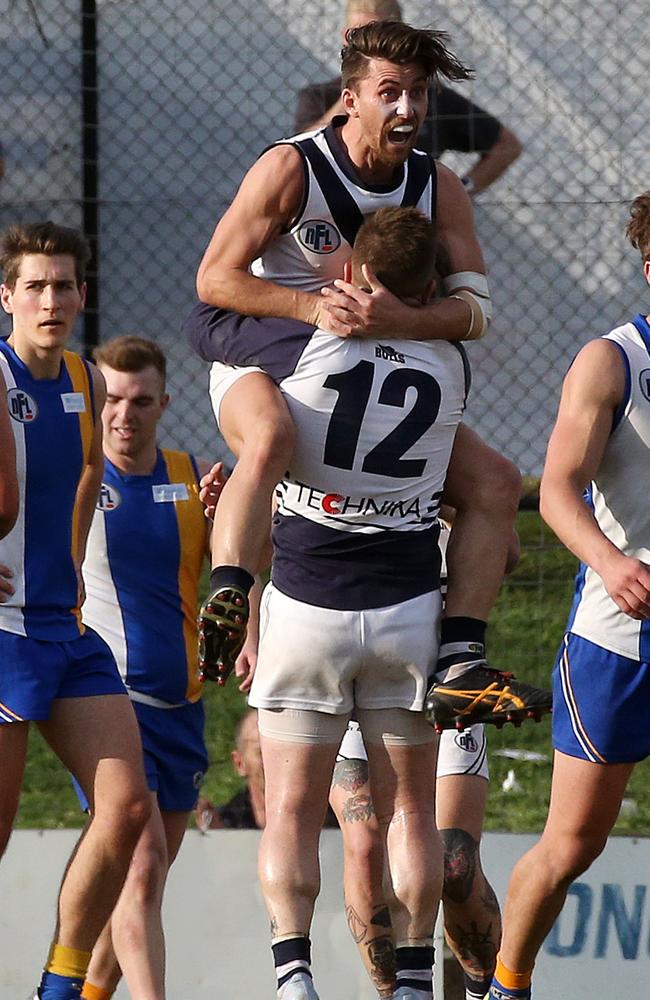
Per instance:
{"type": "Point", "coordinates": [275, 252]}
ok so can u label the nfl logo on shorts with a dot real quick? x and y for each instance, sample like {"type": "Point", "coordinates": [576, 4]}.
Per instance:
{"type": "Point", "coordinates": [466, 742]}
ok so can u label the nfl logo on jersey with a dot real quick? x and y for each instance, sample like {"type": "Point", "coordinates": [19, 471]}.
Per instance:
{"type": "Point", "coordinates": [21, 406]}
{"type": "Point", "coordinates": [109, 498]}
{"type": "Point", "coordinates": [319, 236]}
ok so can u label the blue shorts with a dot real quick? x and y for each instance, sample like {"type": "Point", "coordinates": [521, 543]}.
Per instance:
{"type": "Point", "coordinates": [175, 755]}
{"type": "Point", "coordinates": [35, 672]}
{"type": "Point", "coordinates": [601, 704]}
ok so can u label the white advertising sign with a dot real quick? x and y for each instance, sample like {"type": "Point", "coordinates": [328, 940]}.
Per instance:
{"type": "Point", "coordinates": [217, 930]}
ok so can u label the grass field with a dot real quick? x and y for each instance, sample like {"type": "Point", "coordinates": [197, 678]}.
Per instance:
{"type": "Point", "coordinates": [524, 634]}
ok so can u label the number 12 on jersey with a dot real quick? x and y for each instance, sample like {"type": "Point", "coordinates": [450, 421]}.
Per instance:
{"type": "Point", "coordinates": [385, 459]}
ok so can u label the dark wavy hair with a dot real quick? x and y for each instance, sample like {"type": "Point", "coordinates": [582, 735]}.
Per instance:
{"type": "Point", "coordinates": [45, 238]}
{"type": "Point", "coordinates": [399, 43]}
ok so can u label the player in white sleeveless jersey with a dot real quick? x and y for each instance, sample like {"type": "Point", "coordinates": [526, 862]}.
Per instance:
{"type": "Point", "coordinates": [594, 495]}
{"type": "Point", "coordinates": [285, 235]}
{"type": "Point", "coordinates": [349, 619]}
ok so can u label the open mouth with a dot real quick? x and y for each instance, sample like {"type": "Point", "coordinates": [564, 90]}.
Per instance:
{"type": "Point", "coordinates": [401, 134]}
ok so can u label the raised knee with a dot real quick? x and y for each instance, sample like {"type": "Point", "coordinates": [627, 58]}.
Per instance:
{"type": "Point", "coordinates": [270, 445]}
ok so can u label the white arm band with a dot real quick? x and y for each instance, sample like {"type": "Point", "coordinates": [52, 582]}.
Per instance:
{"type": "Point", "coordinates": [471, 287]}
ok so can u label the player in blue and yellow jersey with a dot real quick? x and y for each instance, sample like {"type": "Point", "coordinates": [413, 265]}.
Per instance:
{"type": "Point", "coordinates": [53, 670]}
{"type": "Point", "coordinates": [145, 553]}
{"type": "Point", "coordinates": [8, 480]}
{"type": "Point", "coordinates": [594, 495]}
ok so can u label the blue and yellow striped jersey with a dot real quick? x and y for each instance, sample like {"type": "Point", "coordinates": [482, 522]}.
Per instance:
{"type": "Point", "coordinates": [143, 561]}
{"type": "Point", "coordinates": [53, 423]}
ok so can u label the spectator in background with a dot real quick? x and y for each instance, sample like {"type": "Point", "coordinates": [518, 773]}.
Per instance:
{"type": "Point", "coordinates": [452, 122]}
{"type": "Point", "coordinates": [245, 810]}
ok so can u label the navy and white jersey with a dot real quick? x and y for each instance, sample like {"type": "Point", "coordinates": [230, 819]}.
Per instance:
{"type": "Point", "coordinates": [356, 525]}
{"type": "Point", "coordinates": [311, 254]}
{"type": "Point", "coordinates": [619, 498]}
{"type": "Point", "coordinates": [143, 562]}
{"type": "Point", "coordinates": [53, 422]}
{"type": "Point", "coordinates": [335, 202]}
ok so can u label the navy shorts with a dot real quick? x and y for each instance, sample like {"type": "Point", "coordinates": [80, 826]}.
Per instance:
{"type": "Point", "coordinates": [35, 672]}
{"type": "Point", "coordinates": [175, 756]}
{"type": "Point", "coordinates": [601, 704]}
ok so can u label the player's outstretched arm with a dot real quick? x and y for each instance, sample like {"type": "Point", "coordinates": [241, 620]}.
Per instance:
{"type": "Point", "coordinates": [266, 203]}
{"type": "Point", "coordinates": [91, 477]}
{"type": "Point", "coordinates": [592, 391]}
{"type": "Point", "coordinates": [8, 475]}
{"type": "Point", "coordinates": [463, 315]}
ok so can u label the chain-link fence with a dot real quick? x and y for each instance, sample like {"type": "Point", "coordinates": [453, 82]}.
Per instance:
{"type": "Point", "coordinates": [140, 117]}
{"type": "Point", "coordinates": [186, 95]}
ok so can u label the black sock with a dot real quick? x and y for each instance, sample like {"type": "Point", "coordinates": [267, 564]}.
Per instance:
{"type": "Point", "coordinates": [414, 968]}
{"type": "Point", "coordinates": [462, 640]}
{"type": "Point", "coordinates": [231, 576]}
{"type": "Point", "coordinates": [476, 988]}
{"type": "Point", "coordinates": [291, 956]}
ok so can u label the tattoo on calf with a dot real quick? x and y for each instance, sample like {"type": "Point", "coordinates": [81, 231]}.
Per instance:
{"type": "Point", "coordinates": [460, 859]}
{"type": "Point", "coordinates": [477, 948]}
{"type": "Point", "coordinates": [274, 926]}
{"type": "Point", "coordinates": [350, 774]}
{"type": "Point", "coordinates": [381, 952]}
{"type": "Point", "coordinates": [489, 899]}
{"type": "Point", "coordinates": [358, 927]}
{"type": "Point", "coordinates": [381, 917]}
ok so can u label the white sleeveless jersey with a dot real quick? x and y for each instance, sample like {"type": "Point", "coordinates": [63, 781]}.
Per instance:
{"type": "Point", "coordinates": [620, 499]}
{"type": "Point", "coordinates": [375, 422]}
{"type": "Point", "coordinates": [335, 203]}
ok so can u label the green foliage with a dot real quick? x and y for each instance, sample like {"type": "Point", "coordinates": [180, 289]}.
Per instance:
{"type": "Point", "coordinates": [525, 632]}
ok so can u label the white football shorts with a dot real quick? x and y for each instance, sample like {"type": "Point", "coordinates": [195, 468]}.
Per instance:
{"type": "Point", "coordinates": [458, 753]}
{"type": "Point", "coordinates": [222, 377]}
{"type": "Point", "coordinates": [325, 660]}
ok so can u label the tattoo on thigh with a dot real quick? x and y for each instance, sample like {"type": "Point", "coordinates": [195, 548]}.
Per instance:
{"type": "Point", "coordinates": [381, 917]}
{"type": "Point", "coordinates": [461, 853]}
{"type": "Point", "coordinates": [381, 952]}
{"type": "Point", "coordinates": [358, 927]}
{"type": "Point", "coordinates": [350, 774]}
{"type": "Point", "coordinates": [357, 809]}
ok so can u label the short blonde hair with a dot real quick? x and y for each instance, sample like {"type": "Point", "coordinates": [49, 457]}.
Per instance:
{"type": "Point", "coordinates": [389, 10]}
